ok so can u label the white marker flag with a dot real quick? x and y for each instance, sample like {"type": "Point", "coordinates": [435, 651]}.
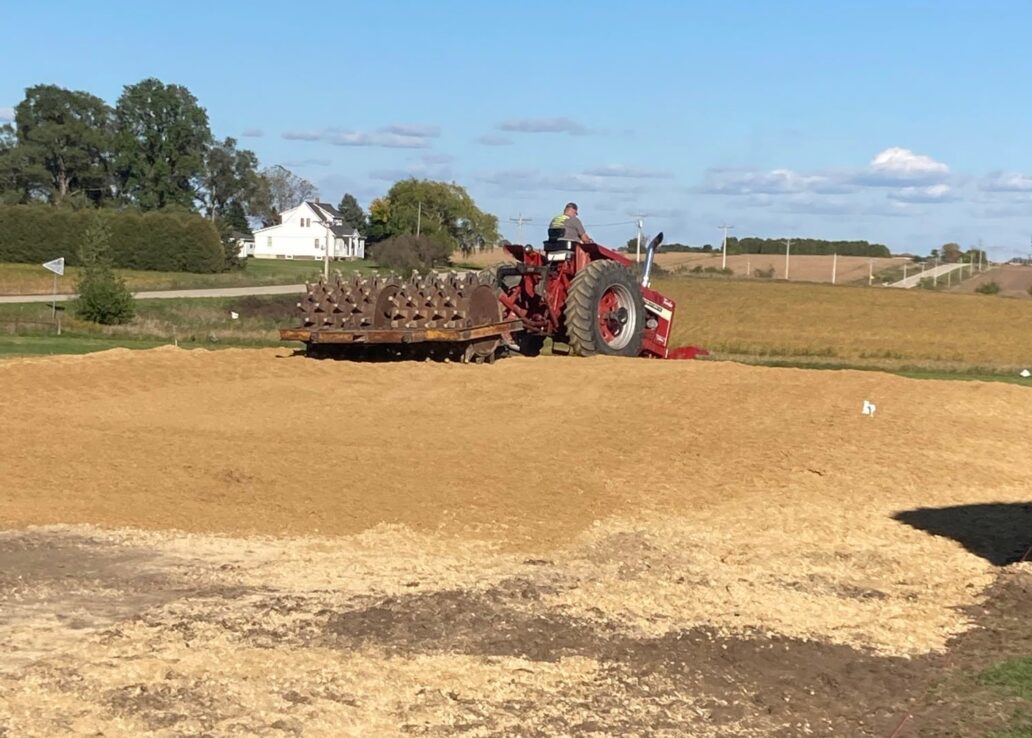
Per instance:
{"type": "Point", "coordinates": [56, 266]}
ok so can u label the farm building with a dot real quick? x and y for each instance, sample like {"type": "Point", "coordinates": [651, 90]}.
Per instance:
{"type": "Point", "coordinates": [305, 232]}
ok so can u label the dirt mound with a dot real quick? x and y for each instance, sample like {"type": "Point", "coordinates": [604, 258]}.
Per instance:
{"type": "Point", "coordinates": [540, 547]}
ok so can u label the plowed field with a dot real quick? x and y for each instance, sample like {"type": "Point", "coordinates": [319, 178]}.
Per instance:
{"type": "Point", "coordinates": [254, 543]}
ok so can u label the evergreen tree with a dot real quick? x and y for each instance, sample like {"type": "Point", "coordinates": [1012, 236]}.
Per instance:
{"type": "Point", "coordinates": [103, 295]}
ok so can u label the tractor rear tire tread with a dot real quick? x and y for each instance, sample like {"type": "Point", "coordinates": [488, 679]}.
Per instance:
{"type": "Point", "coordinates": [581, 310]}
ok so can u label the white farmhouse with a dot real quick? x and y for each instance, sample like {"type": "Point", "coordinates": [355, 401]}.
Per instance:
{"type": "Point", "coordinates": [305, 232]}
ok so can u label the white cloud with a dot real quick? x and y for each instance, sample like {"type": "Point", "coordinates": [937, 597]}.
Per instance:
{"type": "Point", "coordinates": [931, 193]}
{"type": "Point", "coordinates": [302, 135]}
{"type": "Point", "coordinates": [390, 137]}
{"type": "Point", "coordinates": [493, 139]}
{"type": "Point", "coordinates": [427, 167]}
{"type": "Point", "coordinates": [897, 166]}
{"type": "Point", "coordinates": [533, 180]}
{"type": "Point", "coordinates": [6, 113]}
{"type": "Point", "coordinates": [412, 130]}
{"type": "Point", "coordinates": [307, 163]}
{"type": "Point", "coordinates": [253, 133]}
{"type": "Point", "coordinates": [543, 125]}
{"type": "Point", "coordinates": [773, 182]}
{"type": "Point", "coordinates": [1006, 182]}
{"type": "Point", "coordinates": [622, 170]}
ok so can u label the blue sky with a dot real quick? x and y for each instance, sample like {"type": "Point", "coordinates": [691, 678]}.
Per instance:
{"type": "Point", "coordinates": [900, 122]}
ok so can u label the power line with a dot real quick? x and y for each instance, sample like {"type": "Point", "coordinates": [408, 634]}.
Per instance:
{"type": "Point", "coordinates": [519, 221]}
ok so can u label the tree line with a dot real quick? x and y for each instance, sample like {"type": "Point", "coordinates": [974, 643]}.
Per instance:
{"type": "Point", "coordinates": [154, 151]}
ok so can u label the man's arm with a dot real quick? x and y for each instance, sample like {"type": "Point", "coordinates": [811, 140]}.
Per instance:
{"type": "Point", "coordinates": [581, 233]}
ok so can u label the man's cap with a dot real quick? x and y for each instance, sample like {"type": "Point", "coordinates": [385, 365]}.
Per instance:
{"type": "Point", "coordinates": [571, 205]}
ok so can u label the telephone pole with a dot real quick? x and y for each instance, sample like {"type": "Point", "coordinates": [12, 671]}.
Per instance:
{"type": "Point", "coordinates": [640, 221]}
{"type": "Point", "coordinates": [788, 249]}
{"type": "Point", "coordinates": [519, 221]}
{"type": "Point", "coordinates": [725, 228]}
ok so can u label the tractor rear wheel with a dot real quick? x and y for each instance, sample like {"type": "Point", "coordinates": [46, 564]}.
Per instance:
{"type": "Point", "coordinates": [605, 312]}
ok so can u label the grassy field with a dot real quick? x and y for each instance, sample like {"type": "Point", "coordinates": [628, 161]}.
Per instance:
{"type": "Point", "coordinates": [914, 332]}
{"type": "Point", "coordinates": [875, 327]}
{"type": "Point", "coordinates": [32, 279]}
{"type": "Point", "coordinates": [27, 328]}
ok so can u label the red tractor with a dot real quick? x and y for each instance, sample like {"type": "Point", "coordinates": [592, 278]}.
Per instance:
{"type": "Point", "coordinates": [584, 296]}
{"type": "Point", "coordinates": [587, 296]}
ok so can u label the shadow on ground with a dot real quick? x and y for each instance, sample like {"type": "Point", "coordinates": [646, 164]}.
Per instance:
{"type": "Point", "coordinates": [999, 532]}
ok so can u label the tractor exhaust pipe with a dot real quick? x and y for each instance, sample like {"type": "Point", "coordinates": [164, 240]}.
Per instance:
{"type": "Point", "coordinates": [650, 254]}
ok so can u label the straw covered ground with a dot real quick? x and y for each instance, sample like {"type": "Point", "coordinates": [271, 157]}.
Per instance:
{"type": "Point", "coordinates": [247, 542]}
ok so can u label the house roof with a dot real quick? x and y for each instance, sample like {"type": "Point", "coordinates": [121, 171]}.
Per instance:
{"type": "Point", "coordinates": [342, 231]}
{"type": "Point", "coordinates": [328, 210]}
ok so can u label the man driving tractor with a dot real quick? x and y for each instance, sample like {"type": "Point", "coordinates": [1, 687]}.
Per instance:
{"type": "Point", "coordinates": [568, 227]}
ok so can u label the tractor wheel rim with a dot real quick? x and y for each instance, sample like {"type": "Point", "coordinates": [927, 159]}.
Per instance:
{"type": "Point", "coordinates": [616, 316]}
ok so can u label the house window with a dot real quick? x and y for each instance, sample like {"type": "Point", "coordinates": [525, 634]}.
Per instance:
{"type": "Point", "coordinates": [308, 222]}
{"type": "Point", "coordinates": [317, 244]}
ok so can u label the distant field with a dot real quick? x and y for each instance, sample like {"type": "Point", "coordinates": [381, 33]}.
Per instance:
{"type": "Point", "coordinates": [801, 268]}
{"type": "Point", "coordinates": [1014, 281]}
{"type": "Point", "coordinates": [880, 326]}
{"type": "Point", "coordinates": [27, 328]}
{"type": "Point", "coordinates": [32, 279]}
{"type": "Point", "coordinates": [755, 320]}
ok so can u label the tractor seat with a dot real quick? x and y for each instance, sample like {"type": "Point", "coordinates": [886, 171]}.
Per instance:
{"type": "Point", "coordinates": [558, 248]}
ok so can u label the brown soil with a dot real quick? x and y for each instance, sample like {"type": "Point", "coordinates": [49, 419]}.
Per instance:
{"type": "Point", "coordinates": [173, 636]}
{"type": "Point", "coordinates": [1014, 281]}
{"type": "Point", "coordinates": [539, 547]}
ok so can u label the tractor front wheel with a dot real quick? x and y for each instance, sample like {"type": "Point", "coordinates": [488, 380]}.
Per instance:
{"type": "Point", "coordinates": [605, 312]}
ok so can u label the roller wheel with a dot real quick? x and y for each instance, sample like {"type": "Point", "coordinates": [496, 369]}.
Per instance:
{"type": "Point", "coordinates": [605, 312]}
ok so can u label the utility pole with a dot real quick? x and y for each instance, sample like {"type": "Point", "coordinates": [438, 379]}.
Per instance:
{"type": "Point", "coordinates": [640, 221]}
{"type": "Point", "coordinates": [725, 228]}
{"type": "Point", "coordinates": [788, 248]}
{"type": "Point", "coordinates": [834, 267]}
{"type": "Point", "coordinates": [326, 256]}
{"type": "Point", "coordinates": [419, 218]}
{"type": "Point", "coordinates": [519, 221]}
{"type": "Point", "coordinates": [870, 272]}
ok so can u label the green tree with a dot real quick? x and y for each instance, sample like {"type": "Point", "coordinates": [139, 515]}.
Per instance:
{"type": "Point", "coordinates": [162, 140]}
{"type": "Point", "coordinates": [377, 224]}
{"type": "Point", "coordinates": [407, 253]}
{"type": "Point", "coordinates": [281, 189]}
{"type": "Point", "coordinates": [442, 211]}
{"type": "Point", "coordinates": [352, 212]}
{"type": "Point", "coordinates": [230, 178]}
{"type": "Point", "coordinates": [951, 253]}
{"type": "Point", "coordinates": [64, 142]}
{"type": "Point", "coordinates": [103, 296]}
{"type": "Point", "coordinates": [12, 181]}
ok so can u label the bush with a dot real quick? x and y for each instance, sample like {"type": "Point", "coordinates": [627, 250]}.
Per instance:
{"type": "Point", "coordinates": [989, 288]}
{"type": "Point", "coordinates": [409, 253]}
{"type": "Point", "coordinates": [767, 273]}
{"type": "Point", "coordinates": [103, 296]}
{"type": "Point", "coordinates": [159, 241]}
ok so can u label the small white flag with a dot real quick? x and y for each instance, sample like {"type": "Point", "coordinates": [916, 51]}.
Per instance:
{"type": "Point", "coordinates": [869, 408]}
{"type": "Point", "coordinates": [56, 266]}
{"type": "Point", "coordinates": [233, 315]}
{"type": "Point", "coordinates": [1026, 373]}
